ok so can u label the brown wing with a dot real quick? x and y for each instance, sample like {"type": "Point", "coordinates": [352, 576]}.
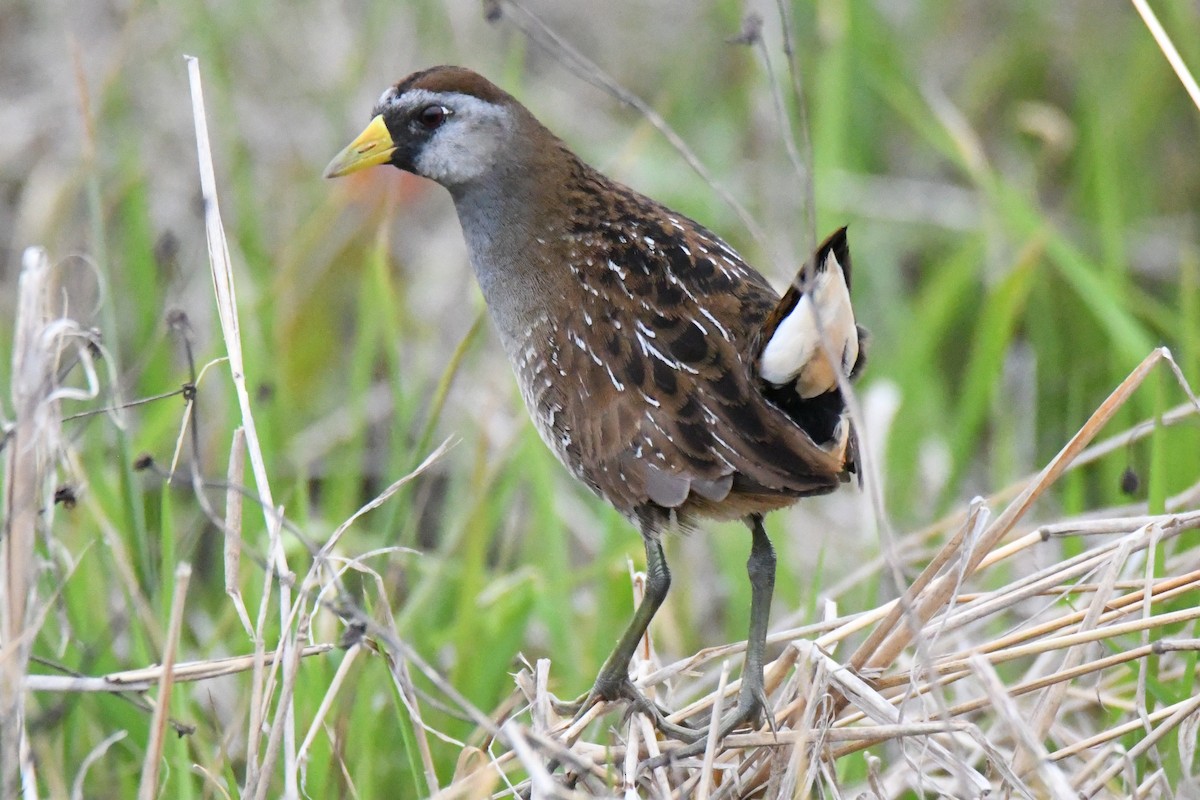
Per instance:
{"type": "Point", "coordinates": [678, 425]}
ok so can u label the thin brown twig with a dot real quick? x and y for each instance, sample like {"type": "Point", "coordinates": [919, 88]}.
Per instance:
{"type": "Point", "coordinates": [148, 785]}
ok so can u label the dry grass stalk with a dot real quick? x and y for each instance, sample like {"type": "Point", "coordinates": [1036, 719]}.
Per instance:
{"type": "Point", "coordinates": [145, 678]}
{"type": "Point", "coordinates": [277, 580]}
{"type": "Point", "coordinates": [1169, 50]}
{"type": "Point", "coordinates": [1031, 746]}
{"type": "Point", "coordinates": [24, 478]}
{"type": "Point", "coordinates": [148, 786]}
{"type": "Point", "coordinates": [46, 347]}
{"type": "Point", "coordinates": [232, 543]}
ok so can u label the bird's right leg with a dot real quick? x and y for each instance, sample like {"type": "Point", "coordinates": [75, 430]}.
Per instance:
{"type": "Point", "coordinates": [613, 682]}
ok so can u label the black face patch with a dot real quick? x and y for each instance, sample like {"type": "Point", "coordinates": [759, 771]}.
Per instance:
{"type": "Point", "coordinates": [407, 145]}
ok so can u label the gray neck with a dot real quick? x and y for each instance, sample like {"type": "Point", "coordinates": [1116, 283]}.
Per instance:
{"type": "Point", "coordinates": [509, 229]}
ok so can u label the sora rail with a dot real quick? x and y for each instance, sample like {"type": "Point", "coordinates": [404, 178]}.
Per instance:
{"type": "Point", "coordinates": [661, 369]}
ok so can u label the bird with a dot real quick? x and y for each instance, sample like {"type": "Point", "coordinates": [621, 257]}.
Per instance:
{"type": "Point", "coordinates": [662, 370]}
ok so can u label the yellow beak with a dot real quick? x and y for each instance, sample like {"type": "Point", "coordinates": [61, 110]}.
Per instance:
{"type": "Point", "coordinates": [373, 146]}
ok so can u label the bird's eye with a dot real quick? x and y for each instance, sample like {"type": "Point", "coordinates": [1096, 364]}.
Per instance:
{"type": "Point", "coordinates": [433, 116]}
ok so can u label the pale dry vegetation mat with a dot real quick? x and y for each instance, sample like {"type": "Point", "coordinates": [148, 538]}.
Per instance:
{"type": "Point", "coordinates": [1027, 657]}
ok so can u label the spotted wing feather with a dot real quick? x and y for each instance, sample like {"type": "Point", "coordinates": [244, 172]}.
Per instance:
{"type": "Point", "coordinates": [660, 393]}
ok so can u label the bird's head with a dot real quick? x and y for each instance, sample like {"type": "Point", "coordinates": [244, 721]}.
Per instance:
{"type": "Point", "coordinates": [448, 124]}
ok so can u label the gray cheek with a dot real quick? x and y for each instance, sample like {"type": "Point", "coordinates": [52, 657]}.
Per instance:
{"type": "Point", "coordinates": [452, 162]}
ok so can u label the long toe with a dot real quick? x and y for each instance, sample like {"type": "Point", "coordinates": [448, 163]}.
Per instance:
{"type": "Point", "coordinates": [749, 709]}
{"type": "Point", "coordinates": [675, 731]}
{"type": "Point", "coordinates": [638, 702]}
{"type": "Point", "coordinates": [569, 708]}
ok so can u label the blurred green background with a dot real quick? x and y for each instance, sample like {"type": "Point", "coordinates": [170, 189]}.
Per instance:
{"type": "Point", "coordinates": [1021, 181]}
